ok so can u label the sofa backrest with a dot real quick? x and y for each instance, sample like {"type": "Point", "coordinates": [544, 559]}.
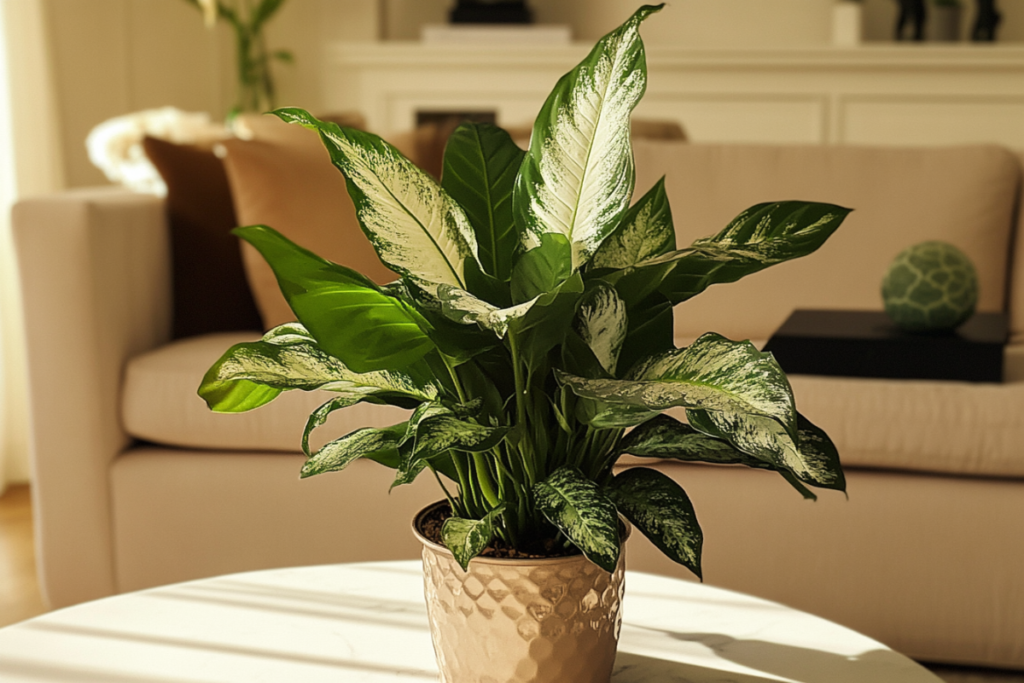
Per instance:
{"type": "Point", "coordinates": [963, 195]}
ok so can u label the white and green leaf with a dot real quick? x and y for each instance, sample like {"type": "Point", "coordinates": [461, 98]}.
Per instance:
{"type": "Point", "coordinates": [577, 178]}
{"type": "Point", "coordinates": [810, 457]}
{"type": "Point", "coordinates": [761, 236]}
{"type": "Point", "coordinates": [363, 443]}
{"type": "Point", "coordinates": [661, 510]}
{"type": "Point", "coordinates": [646, 232]}
{"type": "Point", "coordinates": [713, 374]}
{"type": "Point", "coordinates": [583, 512]}
{"type": "Point", "coordinates": [289, 333]}
{"type": "Point", "coordinates": [667, 438]}
{"type": "Point", "coordinates": [417, 229]}
{"type": "Point", "coordinates": [467, 538]}
{"type": "Point", "coordinates": [602, 324]}
{"type": "Point", "coordinates": [464, 308]}
{"type": "Point", "coordinates": [433, 429]}
{"type": "Point", "coordinates": [266, 368]}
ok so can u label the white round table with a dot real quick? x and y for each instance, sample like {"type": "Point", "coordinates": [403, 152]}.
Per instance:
{"type": "Point", "coordinates": [367, 622]}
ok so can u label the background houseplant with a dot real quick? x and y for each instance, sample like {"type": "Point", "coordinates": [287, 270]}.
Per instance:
{"type": "Point", "coordinates": [256, 91]}
{"type": "Point", "coordinates": [532, 326]}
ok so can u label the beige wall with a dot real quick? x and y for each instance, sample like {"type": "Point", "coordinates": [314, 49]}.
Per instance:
{"type": "Point", "coordinates": [117, 56]}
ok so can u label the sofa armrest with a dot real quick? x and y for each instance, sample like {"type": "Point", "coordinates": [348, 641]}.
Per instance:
{"type": "Point", "coordinates": [96, 289]}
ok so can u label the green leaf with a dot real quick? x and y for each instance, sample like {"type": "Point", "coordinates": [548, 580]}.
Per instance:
{"type": "Point", "coordinates": [661, 510]}
{"type": "Point", "coordinates": [462, 307]}
{"type": "Point", "coordinates": [467, 538]}
{"type": "Point", "coordinates": [545, 324]}
{"type": "Point", "coordinates": [234, 396]}
{"type": "Point", "coordinates": [263, 12]}
{"type": "Point", "coordinates": [811, 457]}
{"type": "Point", "coordinates": [713, 374]}
{"type": "Point", "coordinates": [350, 317]}
{"type": "Point", "coordinates": [417, 229]}
{"type": "Point", "coordinates": [580, 510]}
{"type": "Point", "coordinates": [761, 236]}
{"type": "Point", "coordinates": [251, 374]}
{"type": "Point", "coordinates": [362, 443]}
{"type": "Point", "coordinates": [480, 166]}
{"type": "Point", "coordinates": [284, 56]}
{"type": "Point", "coordinates": [646, 231]}
{"type": "Point", "coordinates": [577, 179]}
{"type": "Point", "coordinates": [601, 322]}
{"type": "Point", "coordinates": [542, 269]}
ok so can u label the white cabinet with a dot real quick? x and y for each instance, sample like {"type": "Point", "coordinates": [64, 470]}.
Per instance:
{"type": "Point", "coordinates": [890, 95]}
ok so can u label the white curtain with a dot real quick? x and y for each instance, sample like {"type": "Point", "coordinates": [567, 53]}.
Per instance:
{"type": "Point", "coordinates": [30, 164]}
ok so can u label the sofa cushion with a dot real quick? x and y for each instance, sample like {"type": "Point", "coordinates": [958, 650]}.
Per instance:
{"type": "Point", "coordinates": [160, 404]}
{"type": "Point", "coordinates": [962, 195]}
{"type": "Point", "coordinates": [294, 189]}
{"type": "Point", "coordinates": [926, 426]}
{"type": "Point", "coordinates": [210, 290]}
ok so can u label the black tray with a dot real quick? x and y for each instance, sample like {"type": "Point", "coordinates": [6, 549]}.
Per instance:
{"type": "Point", "coordinates": [868, 344]}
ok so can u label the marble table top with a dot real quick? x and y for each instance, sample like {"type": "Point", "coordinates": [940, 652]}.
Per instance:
{"type": "Point", "coordinates": [367, 622]}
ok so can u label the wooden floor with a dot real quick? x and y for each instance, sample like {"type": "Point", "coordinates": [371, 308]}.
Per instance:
{"type": "Point", "coordinates": [19, 592]}
{"type": "Point", "coordinates": [20, 598]}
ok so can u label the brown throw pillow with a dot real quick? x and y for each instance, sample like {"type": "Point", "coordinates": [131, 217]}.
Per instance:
{"type": "Point", "coordinates": [295, 189]}
{"type": "Point", "coordinates": [209, 286]}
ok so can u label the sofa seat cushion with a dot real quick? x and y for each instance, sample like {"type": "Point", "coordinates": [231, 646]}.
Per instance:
{"type": "Point", "coordinates": [160, 404]}
{"type": "Point", "coordinates": [923, 426]}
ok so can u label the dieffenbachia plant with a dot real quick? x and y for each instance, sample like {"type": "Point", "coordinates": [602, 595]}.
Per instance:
{"type": "Point", "coordinates": [530, 332]}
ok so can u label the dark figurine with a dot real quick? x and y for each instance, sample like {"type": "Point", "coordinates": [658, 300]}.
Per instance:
{"type": "Point", "coordinates": [491, 12]}
{"type": "Point", "coordinates": [987, 21]}
{"type": "Point", "coordinates": [912, 12]}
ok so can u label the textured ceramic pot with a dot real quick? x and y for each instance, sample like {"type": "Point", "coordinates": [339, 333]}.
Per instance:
{"type": "Point", "coordinates": [554, 620]}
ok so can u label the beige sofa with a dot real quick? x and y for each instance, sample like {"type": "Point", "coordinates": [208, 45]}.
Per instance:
{"type": "Point", "coordinates": [137, 484]}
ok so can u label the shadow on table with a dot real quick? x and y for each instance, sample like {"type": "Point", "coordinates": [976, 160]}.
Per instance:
{"type": "Point", "coordinates": [774, 660]}
{"type": "Point", "coordinates": [25, 669]}
{"type": "Point", "coordinates": [193, 646]}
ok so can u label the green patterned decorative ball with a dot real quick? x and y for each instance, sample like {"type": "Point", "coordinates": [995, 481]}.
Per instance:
{"type": "Point", "coordinates": [930, 287]}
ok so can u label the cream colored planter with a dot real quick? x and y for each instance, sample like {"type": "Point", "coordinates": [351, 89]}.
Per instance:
{"type": "Point", "coordinates": [554, 620]}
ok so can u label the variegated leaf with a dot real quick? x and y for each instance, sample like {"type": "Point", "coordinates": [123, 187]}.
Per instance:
{"type": "Point", "coordinates": [362, 443]}
{"type": "Point", "coordinates": [467, 538]}
{"type": "Point", "coordinates": [432, 430]}
{"type": "Point", "coordinates": [297, 365]}
{"type": "Point", "coordinates": [480, 166]}
{"type": "Point", "coordinates": [577, 178]}
{"type": "Point", "coordinates": [713, 374]}
{"type": "Point", "coordinates": [667, 437]}
{"type": "Point", "coordinates": [646, 232]}
{"type": "Point", "coordinates": [811, 457]}
{"type": "Point", "coordinates": [319, 416]}
{"type": "Point", "coordinates": [464, 308]}
{"type": "Point", "coordinates": [761, 236]}
{"type": "Point", "coordinates": [417, 229]}
{"type": "Point", "coordinates": [661, 510]}
{"type": "Point", "coordinates": [580, 510]}
{"type": "Point", "coordinates": [289, 333]}
{"type": "Point", "coordinates": [601, 322]}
